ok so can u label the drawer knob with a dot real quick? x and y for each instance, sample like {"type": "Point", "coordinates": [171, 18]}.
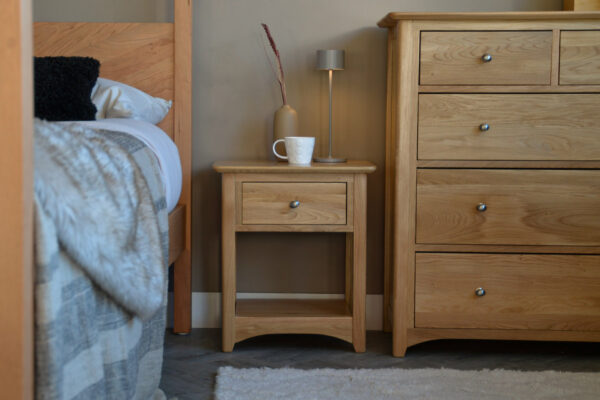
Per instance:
{"type": "Point", "coordinates": [480, 292]}
{"type": "Point", "coordinates": [481, 207]}
{"type": "Point", "coordinates": [484, 127]}
{"type": "Point", "coordinates": [486, 58]}
{"type": "Point", "coordinates": [294, 204]}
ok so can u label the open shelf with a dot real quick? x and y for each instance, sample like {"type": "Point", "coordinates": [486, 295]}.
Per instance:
{"type": "Point", "coordinates": [256, 317]}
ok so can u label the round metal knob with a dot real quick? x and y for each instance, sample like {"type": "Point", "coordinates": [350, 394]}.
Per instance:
{"type": "Point", "coordinates": [484, 127]}
{"type": "Point", "coordinates": [481, 207]}
{"type": "Point", "coordinates": [486, 58]}
{"type": "Point", "coordinates": [480, 292]}
{"type": "Point", "coordinates": [294, 204]}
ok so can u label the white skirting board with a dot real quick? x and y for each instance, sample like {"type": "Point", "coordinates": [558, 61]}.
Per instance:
{"type": "Point", "coordinates": [206, 307]}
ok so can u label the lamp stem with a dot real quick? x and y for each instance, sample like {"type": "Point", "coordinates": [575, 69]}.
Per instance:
{"type": "Point", "coordinates": [330, 113]}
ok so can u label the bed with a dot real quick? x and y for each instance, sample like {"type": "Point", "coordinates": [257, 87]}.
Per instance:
{"type": "Point", "coordinates": [155, 58]}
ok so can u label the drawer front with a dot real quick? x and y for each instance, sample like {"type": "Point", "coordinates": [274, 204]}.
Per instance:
{"type": "Point", "coordinates": [271, 203]}
{"type": "Point", "coordinates": [509, 127]}
{"type": "Point", "coordinates": [518, 207]}
{"type": "Point", "coordinates": [556, 292]}
{"type": "Point", "coordinates": [580, 58]}
{"type": "Point", "coordinates": [457, 58]}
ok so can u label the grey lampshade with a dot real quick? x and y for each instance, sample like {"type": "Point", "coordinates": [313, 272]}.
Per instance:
{"type": "Point", "coordinates": [330, 59]}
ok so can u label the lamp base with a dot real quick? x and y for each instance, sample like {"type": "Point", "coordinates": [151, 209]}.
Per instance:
{"type": "Point", "coordinates": [330, 159]}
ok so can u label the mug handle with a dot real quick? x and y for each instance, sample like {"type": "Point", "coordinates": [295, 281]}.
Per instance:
{"type": "Point", "coordinates": [275, 151]}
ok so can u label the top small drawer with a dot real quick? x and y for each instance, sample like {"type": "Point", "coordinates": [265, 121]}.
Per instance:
{"type": "Point", "coordinates": [580, 58]}
{"type": "Point", "coordinates": [486, 58]}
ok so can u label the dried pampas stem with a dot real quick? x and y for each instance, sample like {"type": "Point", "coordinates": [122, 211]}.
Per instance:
{"type": "Point", "coordinates": [279, 72]}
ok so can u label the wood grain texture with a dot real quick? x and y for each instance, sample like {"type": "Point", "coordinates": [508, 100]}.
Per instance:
{"type": "Point", "coordinates": [455, 58]}
{"type": "Point", "coordinates": [405, 92]}
{"type": "Point", "coordinates": [580, 58]}
{"type": "Point", "coordinates": [16, 178]}
{"type": "Point", "coordinates": [390, 172]}
{"type": "Point", "coordinates": [182, 136]}
{"type": "Point", "coordinates": [524, 207]}
{"type": "Point", "coordinates": [359, 267]}
{"type": "Point", "coordinates": [228, 261]}
{"type": "Point", "coordinates": [261, 317]}
{"type": "Point", "coordinates": [269, 203]}
{"type": "Point", "coordinates": [455, 18]}
{"type": "Point", "coordinates": [478, 248]}
{"type": "Point", "coordinates": [581, 5]}
{"type": "Point", "coordinates": [263, 199]}
{"type": "Point", "coordinates": [509, 88]}
{"type": "Point", "coordinates": [138, 54]}
{"type": "Point", "coordinates": [521, 126]}
{"type": "Point", "coordinates": [540, 292]}
{"type": "Point", "coordinates": [420, 335]}
{"type": "Point", "coordinates": [264, 166]}
{"type": "Point", "coordinates": [563, 164]}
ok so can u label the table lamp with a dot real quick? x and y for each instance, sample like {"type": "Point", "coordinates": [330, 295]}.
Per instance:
{"type": "Point", "coordinates": [330, 60]}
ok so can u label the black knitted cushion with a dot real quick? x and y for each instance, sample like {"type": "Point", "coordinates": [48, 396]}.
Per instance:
{"type": "Point", "coordinates": [63, 88]}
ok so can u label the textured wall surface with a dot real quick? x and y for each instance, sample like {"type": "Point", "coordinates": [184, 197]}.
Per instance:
{"type": "Point", "coordinates": [235, 96]}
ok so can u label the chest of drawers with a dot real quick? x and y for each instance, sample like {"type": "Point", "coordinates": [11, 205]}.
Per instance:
{"type": "Point", "coordinates": [492, 177]}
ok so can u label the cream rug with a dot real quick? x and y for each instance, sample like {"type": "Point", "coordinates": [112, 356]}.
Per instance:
{"type": "Point", "coordinates": [400, 384]}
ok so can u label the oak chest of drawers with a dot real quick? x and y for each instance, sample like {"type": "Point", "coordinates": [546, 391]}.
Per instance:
{"type": "Point", "coordinates": [493, 177]}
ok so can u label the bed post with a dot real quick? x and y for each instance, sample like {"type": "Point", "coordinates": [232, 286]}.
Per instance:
{"type": "Point", "coordinates": [182, 135]}
{"type": "Point", "coordinates": [16, 203]}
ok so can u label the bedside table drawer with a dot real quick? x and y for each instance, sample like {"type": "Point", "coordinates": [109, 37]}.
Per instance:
{"type": "Point", "coordinates": [294, 203]}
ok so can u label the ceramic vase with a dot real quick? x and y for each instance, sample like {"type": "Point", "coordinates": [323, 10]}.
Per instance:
{"type": "Point", "coordinates": [285, 122]}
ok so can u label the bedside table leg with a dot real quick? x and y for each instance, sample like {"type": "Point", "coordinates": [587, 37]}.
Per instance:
{"type": "Point", "coordinates": [228, 262]}
{"type": "Point", "coordinates": [359, 257]}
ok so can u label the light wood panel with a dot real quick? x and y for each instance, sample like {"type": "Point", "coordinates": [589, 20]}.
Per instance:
{"type": "Point", "coordinates": [359, 263]}
{"type": "Point", "coordinates": [580, 58]}
{"type": "Point", "coordinates": [262, 317]}
{"type": "Point", "coordinates": [555, 292]}
{"type": "Point", "coordinates": [509, 17]}
{"type": "Point", "coordinates": [265, 166]}
{"type": "Point", "coordinates": [228, 260]}
{"type": "Point", "coordinates": [542, 207]}
{"type": "Point", "coordinates": [138, 54]}
{"type": "Point", "coordinates": [455, 58]}
{"type": "Point", "coordinates": [510, 88]}
{"type": "Point", "coordinates": [405, 90]}
{"type": "Point", "coordinates": [581, 5]}
{"type": "Point", "coordinates": [270, 203]}
{"type": "Point", "coordinates": [182, 136]}
{"type": "Point", "coordinates": [521, 126]}
{"type": "Point", "coordinates": [16, 178]}
{"type": "Point", "coordinates": [420, 335]}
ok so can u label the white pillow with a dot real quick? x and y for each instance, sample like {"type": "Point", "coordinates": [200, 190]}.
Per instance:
{"type": "Point", "coordinates": [118, 100]}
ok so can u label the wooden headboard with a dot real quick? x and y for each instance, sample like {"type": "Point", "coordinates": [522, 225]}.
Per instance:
{"type": "Point", "coordinates": [138, 54]}
{"type": "Point", "coordinates": [155, 58]}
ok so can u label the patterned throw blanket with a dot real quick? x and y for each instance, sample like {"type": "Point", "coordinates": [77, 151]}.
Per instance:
{"type": "Point", "coordinates": [101, 248]}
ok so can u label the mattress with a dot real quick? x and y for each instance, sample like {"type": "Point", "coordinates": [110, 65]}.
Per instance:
{"type": "Point", "coordinates": [161, 145]}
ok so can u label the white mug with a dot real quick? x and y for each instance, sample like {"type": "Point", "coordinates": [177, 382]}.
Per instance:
{"type": "Point", "coordinates": [299, 149]}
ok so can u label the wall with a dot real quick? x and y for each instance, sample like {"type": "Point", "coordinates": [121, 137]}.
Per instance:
{"type": "Point", "coordinates": [235, 95]}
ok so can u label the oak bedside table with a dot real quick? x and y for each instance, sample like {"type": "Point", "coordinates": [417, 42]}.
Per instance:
{"type": "Point", "coordinates": [266, 196]}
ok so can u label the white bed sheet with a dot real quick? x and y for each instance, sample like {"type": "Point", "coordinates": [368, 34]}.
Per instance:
{"type": "Point", "coordinates": [161, 145]}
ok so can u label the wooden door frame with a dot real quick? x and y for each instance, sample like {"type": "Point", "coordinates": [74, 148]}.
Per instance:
{"type": "Point", "coordinates": [16, 180]}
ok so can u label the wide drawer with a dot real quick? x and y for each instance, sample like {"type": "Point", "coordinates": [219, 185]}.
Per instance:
{"type": "Point", "coordinates": [509, 127]}
{"type": "Point", "coordinates": [508, 207]}
{"type": "Point", "coordinates": [460, 58]}
{"type": "Point", "coordinates": [296, 203]}
{"type": "Point", "coordinates": [580, 58]}
{"type": "Point", "coordinates": [555, 292]}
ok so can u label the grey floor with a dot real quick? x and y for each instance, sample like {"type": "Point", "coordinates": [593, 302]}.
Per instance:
{"type": "Point", "coordinates": [191, 362]}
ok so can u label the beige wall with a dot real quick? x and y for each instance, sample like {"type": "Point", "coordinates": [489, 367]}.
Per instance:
{"type": "Point", "coordinates": [235, 95]}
